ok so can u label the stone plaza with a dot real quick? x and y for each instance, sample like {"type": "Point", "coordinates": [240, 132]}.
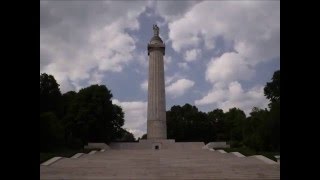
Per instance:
{"type": "Point", "coordinates": [190, 162]}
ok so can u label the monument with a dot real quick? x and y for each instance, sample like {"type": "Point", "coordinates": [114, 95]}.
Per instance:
{"type": "Point", "coordinates": [143, 160]}
{"type": "Point", "coordinates": [156, 122]}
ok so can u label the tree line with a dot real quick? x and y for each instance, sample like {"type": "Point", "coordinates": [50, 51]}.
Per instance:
{"type": "Point", "coordinates": [73, 119]}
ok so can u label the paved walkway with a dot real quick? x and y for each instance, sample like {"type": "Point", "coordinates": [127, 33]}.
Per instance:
{"type": "Point", "coordinates": [160, 164]}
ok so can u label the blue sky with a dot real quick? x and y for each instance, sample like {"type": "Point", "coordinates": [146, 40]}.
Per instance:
{"type": "Point", "coordinates": [219, 54]}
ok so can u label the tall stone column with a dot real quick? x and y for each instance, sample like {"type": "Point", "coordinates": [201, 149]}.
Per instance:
{"type": "Point", "coordinates": [157, 127]}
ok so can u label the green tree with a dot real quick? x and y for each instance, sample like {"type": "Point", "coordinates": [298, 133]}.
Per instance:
{"type": "Point", "coordinates": [126, 136]}
{"type": "Point", "coordinates": [255, 130]}
{"type": "Point", "coordinates": [272, 89]}
{"type": "Point", "coordinates": [234, 123]}
{"type": "Point", "coordinates": [51, 132]}
{"type": "Point", "coordinates": [67, 101]}
{"type": "Point", "coordinates": [51, 129]}
{"type": "Point", "coordinates": [50, 95]}
{"type": "Point", "coordinates": [274, 126]}
{"type": "Point", "coordinates": [272, 92]}
{"type": "Point", "coordinates": [93, 117]}
{"type": "Point", "coordinates": [144, 136]}
{"type": "Point", "coordinates": [216, 118]}
{"type": "Point", "coordinates": [187, 123]}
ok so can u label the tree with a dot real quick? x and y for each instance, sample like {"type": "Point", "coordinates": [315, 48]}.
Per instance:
{"type": "Point", "coordinates": [144, 136]}
{"type": "Point", "coordinates": [274, 126]}
{"type": "Point", "coordinates": [67, 101]}
{"type": "Point", "coordinates": [216, 118]}
{"type": "Point", "coordinates": [234, 120]}
{"type": "Point", "coordinates": [272, 92]}
{"type": "Point", "coordinates": [117, 122]}
{"type": "Point", "coordinates": [50, 95]}
{"type": "Point", "coordinates": [93, 117]}
{"type": "Point", "coordinates": [51, 129]}
{"type": "Point", "coordinates": [272, 89]}
{"type": "Point", "coordinates": [187, 123]}
{"type": "Point", "coordinates": [126, 136]}
{"type": "Point", "coordinates": [51, 132]}
{"type": "Point", "coordinates": [255, 130]}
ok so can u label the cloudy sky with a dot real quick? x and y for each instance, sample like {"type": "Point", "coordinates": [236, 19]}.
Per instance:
{"type": "Point", "coordinates": [219, 54]}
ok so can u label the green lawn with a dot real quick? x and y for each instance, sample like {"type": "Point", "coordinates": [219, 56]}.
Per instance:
{"type": "Point", "coordinates": [62, 153]}
{"type": "Point", "coordinates": [250, 152]}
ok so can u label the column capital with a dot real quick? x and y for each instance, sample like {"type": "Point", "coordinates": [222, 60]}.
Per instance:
{"type": "Point", "coordinates": [156, 47]}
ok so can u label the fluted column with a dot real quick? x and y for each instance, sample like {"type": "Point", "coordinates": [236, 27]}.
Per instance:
{"type": "Point", "coordinates": [157, 128]}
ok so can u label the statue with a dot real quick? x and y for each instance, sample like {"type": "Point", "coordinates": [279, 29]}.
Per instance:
{"type": "Point", "coordinates": [155, 30]}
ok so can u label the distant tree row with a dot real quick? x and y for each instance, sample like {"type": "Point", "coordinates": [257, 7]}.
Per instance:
{"type": "Point", "coordinates": [260, 131]}
{"type": "Point", "coordinates": [74, 119]}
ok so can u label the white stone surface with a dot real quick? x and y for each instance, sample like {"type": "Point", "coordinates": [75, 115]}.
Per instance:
{"type": "Point", "coordinates": [102, 150]}
{"type": "Point", "coordinates": [97, 145]}
{"type": "Point", "coordinates": [218, 145]}
{"type": "Point", "coordinates": [222, 151]}
{"type": "Point", "coordinates": [163, 143]}
{"type": "Point", "coordinates": [211, 150]}
{"type": "Point", "coordinates": [51, 161]}
{"type": "Point", "coordinates": [238, 154]}
{"type": "Point", "coordinates": [162, 164]}
{"type": "Point", "coordinates": [77, 155]}
{"type": "Point", "coordinates": [278, 158]}
{"type": "Point", "coordinates": [205, 147]}
{"type": "Point", "coordinates": [264, 159]}
{"type": "Point", "coordinates": [92, 152]}
{"type": "Point", "coordinates": [156, 114]}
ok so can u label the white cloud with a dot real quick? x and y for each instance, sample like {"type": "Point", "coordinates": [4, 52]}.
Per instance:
{"type": "Point", "coordinates": [142, 59]}
{"type": "Point", "coordinates": [96, 78]}
{"type": "Point", "coordinates": [135, 116]}
{"type": "Point", "coordinates": [81, 40]}
{"type": "Point", "coordinates": [234, 96]}
{"type": "Point", "coordinates": [228, 67]}
{"type": "Point", "coordinates": [167, 60]}
{"type": "Point", "coordinates": [144, 85]}
{"type": "Point", "coordinates": [113, 48]}
{"type": "Point", "coordinates": [171, 10]}
{"type": "Point", "coordinates": [179, 87]}
{"type": "Point", "coordinates": [183, 66]}
{"type": "Point", "coordinates": [137, 133]}
{"type": "Point", "coordinates": [253, 26]}
{"type": "Point", "coordinates": [174, 77]}
{"type": "Point", "coordinates": [192, 55]}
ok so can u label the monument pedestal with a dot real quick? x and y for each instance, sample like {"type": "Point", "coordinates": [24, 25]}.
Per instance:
{"type": "Point", "coordinates": [156, 143]}
{"type": "Point", "coordinates": [152, 144]}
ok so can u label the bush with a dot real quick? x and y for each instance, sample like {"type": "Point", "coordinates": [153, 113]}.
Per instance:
{"type": "Point", "coordinates": [75, 143]}
{"type": "Point", "coordinates": [236, 144]}
{"type": "Point", "coordinates": [51, 132]}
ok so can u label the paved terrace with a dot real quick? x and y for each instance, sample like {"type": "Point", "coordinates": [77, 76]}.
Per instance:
{"type": "Point", "coordinates": [160, 164]}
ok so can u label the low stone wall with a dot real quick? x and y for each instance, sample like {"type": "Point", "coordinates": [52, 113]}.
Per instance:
{"type": "Point", "coordinates": [143, 144]}
{"type": "Point", "coordinates": [186, 145]}
{"type": "Point", "coordinates": [161, 144]}
{"type": "Point", "coordinates": [97, 145]}
{"type": "Point", "coordinates": [213, 145]}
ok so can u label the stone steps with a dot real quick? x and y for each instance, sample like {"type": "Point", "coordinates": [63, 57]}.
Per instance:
{"type": "Point", "coordinates": [161, 164]}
